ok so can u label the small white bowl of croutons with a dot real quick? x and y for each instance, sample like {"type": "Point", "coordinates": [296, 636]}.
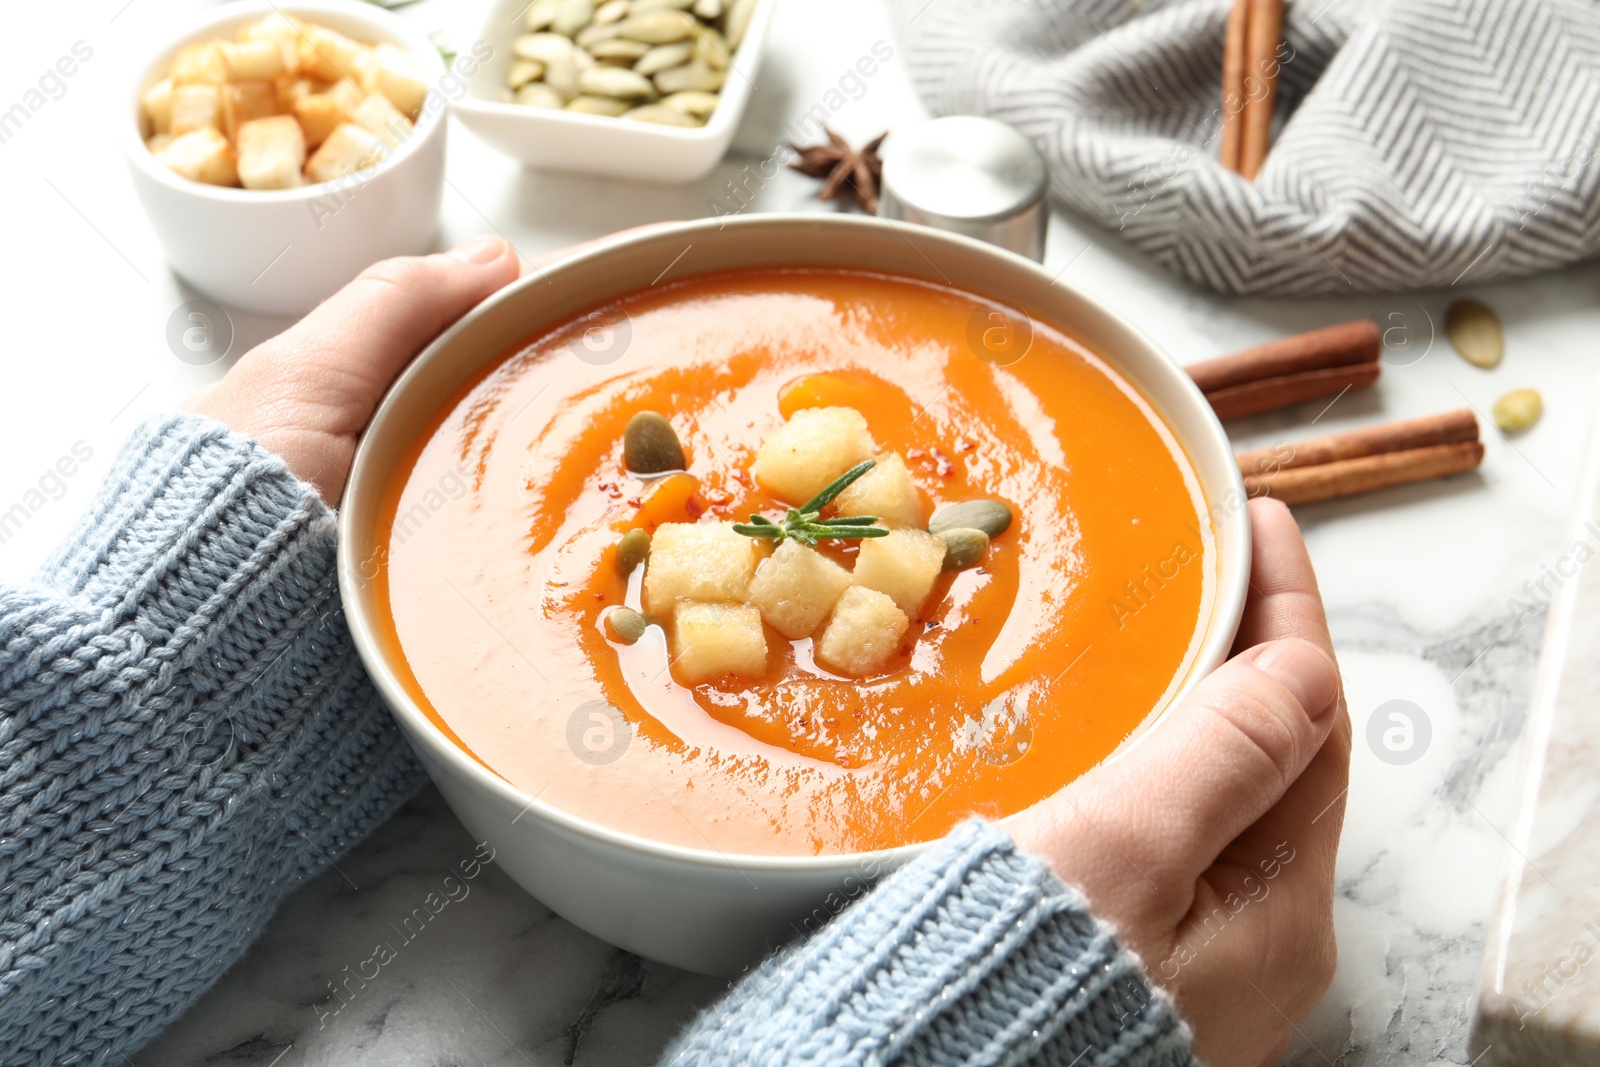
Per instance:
{"type": "Point", "coordinates": [280, 149]}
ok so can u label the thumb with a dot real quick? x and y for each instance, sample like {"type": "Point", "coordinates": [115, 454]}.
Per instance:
{"type": "Point", "coordinates": [345, 353]}
{"type": "Point", "coordinates": [1134, 835]}
{"type": "Point", "coordinates": [1231, 750]}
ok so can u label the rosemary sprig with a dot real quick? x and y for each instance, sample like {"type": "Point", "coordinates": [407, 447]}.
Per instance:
{"type": "Point", "coordinates": [805, 524]}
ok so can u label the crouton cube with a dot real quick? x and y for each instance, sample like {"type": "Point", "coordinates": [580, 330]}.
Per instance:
{"type": "Point", "coordinates": [796, 587]}
{"type": "Point", "coordinates": [319, 116]}
{"type": "Point", "coordinates": [202, 155]}
{"type": "Point", "coordinates": [271, 153]}
{"type": "Point", "coordinates": [904, 565]}
{"type": "Point", "coordinates": [156, 104]}
{"type": "Point", "coordinates": [348, 149]}
{"type": "Point", "coordinates": [697, 561]}
{"type": "Point", "coordinates": [244, 61]}
{"type": "Point", "coordinates": [862, 633]}
{"type": "Point", "coordinates": [328, 54]}
{"type": "Point", "coordinates": [886, 491]}
{"type": "Point", "coordinates": [323, 113]}
{"type": "Point", "coordinates": [158, 143]}
{"type": "Point", "coordinates": [199, 64]}
{"type": "Point", "coordinates": [396, 74]}
{"type": "Point", "coordinates": [275, 27]}
{"type": "Point", "coordinates": [246, 102]}
{"type": "Point", "coordinates": [348, 94]}
{"type": "Point", "coordinates": [195, 107]}
{"type": "Point", "coordinates": [716, 639]}
{"type": "Point", "coordinates": [816, 445]}
{"type": "Point", "coordinates": [377, 114]}
{"type": "Point", "coordinates": [292, 90]}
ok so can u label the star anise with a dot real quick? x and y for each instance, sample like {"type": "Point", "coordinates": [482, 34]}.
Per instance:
{"type": "Point", "coordinates": [846, 170]}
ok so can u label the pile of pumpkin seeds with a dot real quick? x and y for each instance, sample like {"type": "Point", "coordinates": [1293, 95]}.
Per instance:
{"type": "Point", "coordinates": [660, 61]}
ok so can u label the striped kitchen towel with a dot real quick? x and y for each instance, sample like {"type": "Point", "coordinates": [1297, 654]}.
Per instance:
{"type": "Point", "coordinates": [1419, 143]}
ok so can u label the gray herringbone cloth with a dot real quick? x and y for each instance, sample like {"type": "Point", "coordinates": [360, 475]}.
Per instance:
{"type": "Point", "coordinates": [1420, 142]}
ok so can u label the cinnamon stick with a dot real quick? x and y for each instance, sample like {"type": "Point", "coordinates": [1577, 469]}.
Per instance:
{"type": "Point", "coordinates": [1332, 346]}
{"type": "Point", "coordinates": [1347, 477]}
{"type": "Point", "coordinates": [1269, 394]}
{"type": "Point", "coordinates": [1233, 98]}
{"type": "Point", "coordinates": [1263, 34]}
{"type": "Point", "coordinates": [1452, 427]}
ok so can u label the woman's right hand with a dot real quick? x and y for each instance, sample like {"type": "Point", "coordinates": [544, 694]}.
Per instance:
{"type": "Point", "coordinates": [1210, 846]}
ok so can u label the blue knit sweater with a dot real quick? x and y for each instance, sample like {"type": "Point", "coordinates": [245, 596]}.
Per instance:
{"type": "Point", "coordinates": [186, 734]}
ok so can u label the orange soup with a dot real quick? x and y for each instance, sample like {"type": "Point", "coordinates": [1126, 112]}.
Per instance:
{"type": "Point", "coordinates": [983, 693]}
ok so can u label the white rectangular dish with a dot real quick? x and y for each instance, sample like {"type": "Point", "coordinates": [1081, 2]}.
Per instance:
{"type": "Point", "coordinates": [562, 140]}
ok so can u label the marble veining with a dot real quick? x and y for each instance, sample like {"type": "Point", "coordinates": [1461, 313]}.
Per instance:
{"type": "Point", "coordinates": [1539, 999]}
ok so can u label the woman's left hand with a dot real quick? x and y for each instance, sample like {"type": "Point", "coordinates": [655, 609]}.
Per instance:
{"type": "Point", "coordinates": [307, 393]}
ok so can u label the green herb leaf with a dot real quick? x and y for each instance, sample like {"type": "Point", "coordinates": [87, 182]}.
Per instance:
{"type": "Point", "coordinates": [804, 524]}
{"type": "Point", "coordinates": [837, 486]}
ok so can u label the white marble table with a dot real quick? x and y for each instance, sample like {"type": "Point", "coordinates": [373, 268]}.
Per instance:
{"type": "Point", "coordinates": [1418, 581]}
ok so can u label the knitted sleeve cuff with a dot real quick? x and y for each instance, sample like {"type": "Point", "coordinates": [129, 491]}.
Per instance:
{"type": "Point", "coordinates": [186, 733]}
{"type": "Point", "coordinates": [182, 488]}
{"type": "Point", "coordinates": [974, 953]}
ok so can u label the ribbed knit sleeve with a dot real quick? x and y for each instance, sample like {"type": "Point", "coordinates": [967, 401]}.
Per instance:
{"type": "Point", "coordinates": [186, 734]}
{"type": "Point", "coordinates": [974, 954]}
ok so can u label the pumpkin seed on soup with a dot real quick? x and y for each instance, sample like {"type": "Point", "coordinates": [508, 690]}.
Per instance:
{"type": "Point", "coordinates": [650, 445]}
{"type": "Point", "coordinates": [626, 625]}
{"type": "Point", "coordinates": [1518, 410]}
{"type": "Point", "coordinates": [963, 547]}
{"type": "Point", "coordinates": [632, 550]}
{"type": "Point", "coordinates": [1475, 332]}
{"type": "Point", "coordinates": [990, 516]}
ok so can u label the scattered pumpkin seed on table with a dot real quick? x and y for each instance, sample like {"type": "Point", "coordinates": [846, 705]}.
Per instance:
{"type": "Point", "coordinates": [1474, 330]}
{"type": "Point", "coordinates": [620, 58]}
{"type": "Point", "coordinates": [1518, 410]}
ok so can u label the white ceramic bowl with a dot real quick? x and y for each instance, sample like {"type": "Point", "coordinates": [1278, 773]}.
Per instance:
{"type": "Point", "coordinates": [282, 251]}
{"type": "Point", "coordinates": [593, 144]}
{"type": "Point", "coordinates": [699, 909]}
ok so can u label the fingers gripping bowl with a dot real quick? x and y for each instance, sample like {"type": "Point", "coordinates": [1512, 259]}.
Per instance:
{"type": "Point", "coordinates": [700, 788]}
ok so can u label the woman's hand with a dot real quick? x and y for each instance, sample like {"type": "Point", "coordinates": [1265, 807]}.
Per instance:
{"type": "Point", "coordinates": [1210, 846]}
{"type": "Point", "coordinates": [308, 392]}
